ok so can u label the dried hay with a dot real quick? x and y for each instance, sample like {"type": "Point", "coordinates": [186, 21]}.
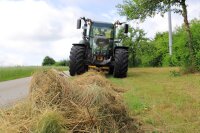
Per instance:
{"type": "Point", "coordinates": [98, 78]}
{"type": "Point", "coordinates": [49, 88]}
{"type": "Point", "coordinates": [87, 103]}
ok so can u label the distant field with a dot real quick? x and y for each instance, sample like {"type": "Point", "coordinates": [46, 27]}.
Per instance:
{"type": "Point", "coordinates": [162, 99]}
{"type": "Point", "coordinates": [9, 73]}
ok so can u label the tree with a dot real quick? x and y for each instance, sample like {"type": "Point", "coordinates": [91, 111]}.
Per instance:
{"type": "Point", "coordinates": [140, 50]}
{"type": "Point", "coordinates": [141, 9]}
{"type": "Point", "coordinates": [48, 61]}
{"type": "Point", "coordinates": [62, 63]}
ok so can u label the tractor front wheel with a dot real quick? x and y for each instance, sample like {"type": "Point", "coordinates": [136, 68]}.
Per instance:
{"type": "Point", "coordinates": [76, 63]}
{"type": "Point", "coordinates": [121, 63]}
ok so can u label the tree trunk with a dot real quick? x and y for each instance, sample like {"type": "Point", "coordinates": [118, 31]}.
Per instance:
{"type": "Point", "coordinates": [191, 66]}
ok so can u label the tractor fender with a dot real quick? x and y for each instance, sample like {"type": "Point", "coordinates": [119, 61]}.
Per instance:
{"type": "Point", "coordinates": [83, 43]}
{"type": "Point", "coordinates": [79, 44]}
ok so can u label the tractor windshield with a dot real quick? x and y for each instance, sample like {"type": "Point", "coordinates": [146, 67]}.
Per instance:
{"type": "Point", "coordinates": [102, 29]}
{"type": "Point", "coordinates": [101, 34]}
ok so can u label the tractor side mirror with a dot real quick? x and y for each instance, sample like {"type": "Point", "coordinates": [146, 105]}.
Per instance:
{"type": "Point", "coordinates": [126, 28]}
{"type": "Point", "coordinates": [78, 23]}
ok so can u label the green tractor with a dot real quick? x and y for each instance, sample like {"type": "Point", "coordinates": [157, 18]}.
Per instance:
{"type": "Point", "coordinates": [99, 49]}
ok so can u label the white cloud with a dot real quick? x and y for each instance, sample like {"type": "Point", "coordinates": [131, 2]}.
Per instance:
{"type": "Point", "coordinates": [8, 59]}
{"type": "Point", "coordinates": [160, 24]}
{"type": "Point", "coordinates": [113, 16]}
{"type": "Point", "coordinates": [30, 30]}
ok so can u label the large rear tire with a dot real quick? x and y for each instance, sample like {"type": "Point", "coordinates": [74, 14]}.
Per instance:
{"type": "Point", "coordinates": [121, 63]}
{"type": "Point", "coordinates": [76, 63]}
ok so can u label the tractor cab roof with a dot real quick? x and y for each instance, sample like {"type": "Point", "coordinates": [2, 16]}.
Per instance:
{"type": "Point", "coordinates": [102, 24]}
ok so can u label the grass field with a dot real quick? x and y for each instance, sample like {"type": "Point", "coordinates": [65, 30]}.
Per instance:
{"type": "Point", "coordinates": [9, 73]}
{"type": "Point", "coordinates": [163, 100]}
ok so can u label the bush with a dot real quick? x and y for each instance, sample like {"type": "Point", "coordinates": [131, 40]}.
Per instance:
{"type": "Point", "coordinates": [175, 73]}
{"type": "Point", "coordinates": [155, 52]}
{"type": "Point", "coordinates": [48, 61]}
{"type": "Point", "coordinates": [198, 60]}
{"type": "Point", "coordinates": [62, 63]}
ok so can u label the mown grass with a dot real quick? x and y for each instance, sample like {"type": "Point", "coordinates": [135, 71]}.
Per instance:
{"type": "Point", "coordinates": [10, 73]}
{"type": "Point", "coordinates": [162, 101]}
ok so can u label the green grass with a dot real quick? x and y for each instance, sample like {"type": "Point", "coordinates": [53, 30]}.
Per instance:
{"type": "Point", "coordinates": [163, 101]}
{"type": "Point", "coordinates": [10, 73]}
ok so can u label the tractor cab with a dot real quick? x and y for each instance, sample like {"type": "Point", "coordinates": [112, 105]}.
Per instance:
{"type": "Point", "coordinates": [101, 39]}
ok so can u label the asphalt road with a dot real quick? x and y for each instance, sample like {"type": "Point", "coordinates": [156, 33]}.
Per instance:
{"type": "Point", "coordinates": [15, 90]}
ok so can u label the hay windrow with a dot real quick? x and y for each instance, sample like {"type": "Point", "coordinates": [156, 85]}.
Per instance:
{"type": "Point", "coordinates": [98, 78]}
{"type": "Point", "coordinates": [86, 103]}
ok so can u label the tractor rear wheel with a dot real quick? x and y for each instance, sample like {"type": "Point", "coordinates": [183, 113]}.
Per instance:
{"type": "Point", "coordinates": [76, 63]}
{"type": "Point", "coordinates": [121, 63]}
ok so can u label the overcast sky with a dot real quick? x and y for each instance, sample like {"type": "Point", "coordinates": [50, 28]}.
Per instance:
{"type": "Point", "coordinates": [32, 29]}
